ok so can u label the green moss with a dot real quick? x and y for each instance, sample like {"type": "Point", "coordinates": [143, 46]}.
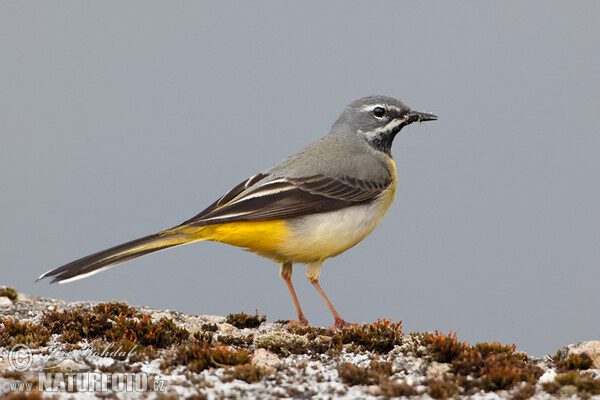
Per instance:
{"type": "Point", "coordinates": [578, 383]}
{"type": "Point", "coordinates": [486, 366]}
{"type": "Point", "coordinates": [247, 372]}
{"type": "Point", "coordinates": [286, 343]}
{"type": "Point", "coordinates": [116, 322]}
{"type": "Point", "coordinates": [443, 348]}
{"type": "Point", "coordinates": [377, 373]}
{"type": "Point", "coordinates": [204, 337]}
{"type": "Point", "coordinates": [24, 396]}
{"type": "Point", "coordinates": [10, 374]}
{"type": "Point", "coordinates": [396, 389]}
{"type": "Point", "coordinates": [243, 320]}
{"type": "Point", "coordinates": [441, 389]}
{"type": "Point", "coordinates": [571, 363]}
{"type": "Point", "coordinates": [198, 357]}
{"type": "Point", "coordinates": [352, 375]}
{"type": "Point", "coordinates": [210, 327]}
{"type": "Point", "coordinates": [524, 392]}
{"type": "Point", "coordinates": [14, 332]}
{"type": "Point", "coordinates": [144, 331]}
{"type": "Point", "coordinates": [380, 337]}
{"type": "Point", "coordinates": [237, 341]}
{"type": "Point", "coordinates": [9, 292]}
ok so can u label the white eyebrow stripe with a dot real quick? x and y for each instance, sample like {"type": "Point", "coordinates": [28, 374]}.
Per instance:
{"type": "Point", "coordinates": [371, 107]}
{"type": "Point", "coordinates": [387, 127]}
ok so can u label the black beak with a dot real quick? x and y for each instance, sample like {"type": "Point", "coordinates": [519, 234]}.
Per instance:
{"type": "Point", "coordinates": [416, 116]}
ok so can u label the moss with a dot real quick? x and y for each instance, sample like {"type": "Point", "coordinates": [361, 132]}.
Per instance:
{"type": "Point", "coordinates": [243, 320]}
{"type": "Point", "coordinates": [486, 366]}
{"type": "Point", "coordinates": [13, 332]}
{"type": "Point", "coordinates": [524, 392]}
{"type": "Point", "coordinates": [441, 389]}
{"type": "Point", "coordinates": [197, 396]}
{"type": "Point", "coordinates": [143, 330]}
{"type": "Point", "coordinates": [198, 357]}
{"type": "Point", "coordinates": [116, 322]}
{"type": "Point", "coordinates": [571, 363]}
{"type": "Point", "coordinates": [23, 396]}
{"type": "Point", "coordinates": [352, 375]}
{"type": "Point", "coordinates": [210, 327]}
{"type": "Point", "coordinates": [495, 366]}
{"type": "Point", "coordinates": [376, 373]}
{"type": "Point", "coordinates": [443, 348]}
{"type": "Point", "coordinates": [9, 292]}
{"type": "Point", "coordinates": [286, 343]}
{"type": "Point", "coordinates": [309, 331]}
{"type": "Point", "coordinates": [581, 384]}
{"type": "Point", "coordinates": [396, 389]}
{"type": "Point", "coordinates": [382, 368]}
{"type": "Point", "coordinates": [10, 374]}
{"type": "Point", "coordinates": [237, 341]}
{"type": "Point", "coordinates": [248, 373]}
{"type": "Point", "coordinates": [204, 337]}
{"type": "Point", "coordinates": [380, 337]}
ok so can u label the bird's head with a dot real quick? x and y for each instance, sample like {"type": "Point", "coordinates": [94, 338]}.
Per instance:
{"type": "Point", "coordinates": [377, 119]}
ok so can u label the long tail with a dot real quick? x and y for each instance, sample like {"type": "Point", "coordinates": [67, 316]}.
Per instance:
{"type": "Point", "coordinates": [115, 255]}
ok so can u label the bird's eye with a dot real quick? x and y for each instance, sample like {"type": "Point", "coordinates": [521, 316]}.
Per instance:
{"type": "Point", "coordinates": [378, 112]}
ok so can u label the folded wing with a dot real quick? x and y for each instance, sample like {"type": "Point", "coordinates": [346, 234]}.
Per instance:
{"type": "Point", "coordinates": [262, 198]}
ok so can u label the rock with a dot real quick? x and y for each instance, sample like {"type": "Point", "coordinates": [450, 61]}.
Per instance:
{"type": "Point", "coordinates": [5, 302]}
{"type": "Point", "coordinates": [590, 349]}
{"type": "Point", "coordinates": [285, 363]}
{"type": "Point", "coordinates": [211, 319]}
{"type": "Point", "coordinates": [227, 328]}
{"type": "Point", "coordinates": [548, 376]}
{"type": "Point", "coordinates": [437, 369]}
{"type": "Point", "coordinates": [262, 357]}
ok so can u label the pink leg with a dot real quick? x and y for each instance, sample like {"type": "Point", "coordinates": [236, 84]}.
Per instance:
{"type": "Point", "coordinates": [286, 274]}
{"type": "Point", "coordinates": [339, 322]}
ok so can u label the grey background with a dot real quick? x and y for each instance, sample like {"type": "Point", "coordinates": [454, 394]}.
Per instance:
{"type": "Point", "coordinates": [121, 119]}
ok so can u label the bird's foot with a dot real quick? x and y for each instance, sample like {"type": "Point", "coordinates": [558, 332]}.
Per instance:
{"type": "Point", "coordinates": [341, 324]}
{"type": "Point", "coordinates": [301, 322]}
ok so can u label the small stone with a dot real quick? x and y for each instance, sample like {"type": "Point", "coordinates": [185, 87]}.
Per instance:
{"type": "Point", "coordinates": [156, 316]}
{"type": "Point", "coordinates": [24, 298]}
{"type": "Point", "coordinates": [436, 369]}
{"type": "Point", "coordinates": [211, 319]}
{"type": "Point", "coordinates": [548, 376]}
{"type": "Point", "coordinates": [5, 302]}
{"type": "Point", "coordinates": [263, 357]}
{"type": "Point", "coordinates": [226, 328]}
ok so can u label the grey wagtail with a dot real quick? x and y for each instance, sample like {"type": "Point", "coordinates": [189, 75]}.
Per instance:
{"type": "Point", "coordinates": [313, 205]}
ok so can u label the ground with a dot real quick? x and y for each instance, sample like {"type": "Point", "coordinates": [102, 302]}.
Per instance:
{"type": "Point", "coordinates": [87, 350]}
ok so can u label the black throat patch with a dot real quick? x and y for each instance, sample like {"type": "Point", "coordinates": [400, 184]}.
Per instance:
{"type": "Point", "coordinates": [383, 141]}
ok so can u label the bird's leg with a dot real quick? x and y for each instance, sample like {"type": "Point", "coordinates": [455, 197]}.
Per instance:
{"type": "Point", "coordinates": [312, 273]}
{"type": "Point", "coordinates": [286, 273]}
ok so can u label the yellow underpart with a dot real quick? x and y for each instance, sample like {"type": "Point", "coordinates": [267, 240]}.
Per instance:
{"type": "Point", "coordinates": [263, 237]}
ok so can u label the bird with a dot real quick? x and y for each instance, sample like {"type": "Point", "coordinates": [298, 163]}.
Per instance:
{"type": "Point", "coordinates": [313, 205]}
